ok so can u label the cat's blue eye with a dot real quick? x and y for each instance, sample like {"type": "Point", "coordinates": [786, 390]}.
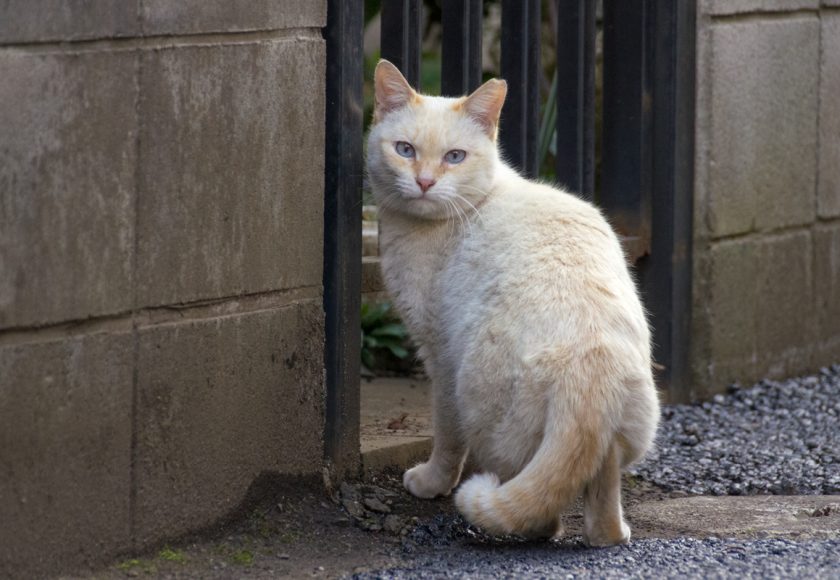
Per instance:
{"type": "Point", "coordinates": [404, 149]}
{"type": "Point", "coordinates": [455, 156]}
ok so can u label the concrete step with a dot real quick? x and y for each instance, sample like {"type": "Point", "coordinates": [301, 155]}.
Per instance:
{"type": "Point", "coordinates": [396, 423]}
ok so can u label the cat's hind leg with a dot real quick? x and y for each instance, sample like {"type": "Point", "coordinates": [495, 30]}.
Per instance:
{"type": "Point", "coordinates": [603, 519]}
{"type": "Point", "coordinates": [442, 471]}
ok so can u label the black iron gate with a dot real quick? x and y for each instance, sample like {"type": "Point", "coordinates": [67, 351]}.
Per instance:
{"type": "Point", "coordinates": [647, 152]}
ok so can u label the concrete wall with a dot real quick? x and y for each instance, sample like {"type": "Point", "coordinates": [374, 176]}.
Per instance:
{"type": "Point", "coordinates": [767, 207]}
{"type": "Point", "coordinates": [161, 328]}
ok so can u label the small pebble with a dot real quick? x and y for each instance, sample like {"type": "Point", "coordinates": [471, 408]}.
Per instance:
{"type": "Point", "coordinates": [376, 505]}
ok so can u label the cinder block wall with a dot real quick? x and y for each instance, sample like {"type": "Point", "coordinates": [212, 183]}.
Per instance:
{"type": "Point", "coordinates": [161, 328]}
{"type": "Point", "coordinates": [767, 206]}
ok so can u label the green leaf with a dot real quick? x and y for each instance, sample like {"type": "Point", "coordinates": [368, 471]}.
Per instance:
{"type": "Point", "coordinates": [547, 135]}
{"type": "Point", "coordinates": [374, 314]}
{"type": "Point", "coordinates": [171, 555]}
{"type": "Point", "coordinates": [394, 329]}
{"type": "Point", "coordinates": [243, 558]}
{"type": "Point", "coordinates": [398, 351]}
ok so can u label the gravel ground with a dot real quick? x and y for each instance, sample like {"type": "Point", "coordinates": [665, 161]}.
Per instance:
{"type": "Point", "coordinates": [772, 438]}
{"type": "Point", "coordinates": [678, 558]}
{"type": "Point", "coordinates": [776, 437]}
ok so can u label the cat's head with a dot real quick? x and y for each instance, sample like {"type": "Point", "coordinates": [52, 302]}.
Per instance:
{"type": "Point", "coordinates": [432, 157]}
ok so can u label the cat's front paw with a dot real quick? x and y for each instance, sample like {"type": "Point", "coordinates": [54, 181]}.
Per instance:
{"type": "Point", "coordinates": [427, 481]}
{"type": "Point", "coordinates": [607, 535]}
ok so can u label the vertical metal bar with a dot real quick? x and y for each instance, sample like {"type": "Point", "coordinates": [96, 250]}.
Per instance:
{"type": "Point", "coordinates": [520, 67]}
{"type": "Point", "coordinates": [343, 232]}
{"type": "Point", "coordinates": [461, 55]}
{"type": "Point", "coordinates": [575, 160]}
{"type": "Point", "coordinates": [532, 114]}
{"type": "Point", "coordinates": [400, 37]}
{"type": "Point", "coordinates": [476, 29]}
{"type": "Point", "coordinates": [626, 154]}
{"type": "Point", "coordinates": [514, 67]}
{"type": "Point", "coordinates": [415, 42]}
{"type": "Point", "coordinates": [666, 277]}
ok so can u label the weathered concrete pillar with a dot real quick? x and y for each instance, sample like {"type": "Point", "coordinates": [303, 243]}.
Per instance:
{"type": "Point", "coordinates": [767, 208]}
{"type": "Point", "coordinates": [161, 328]}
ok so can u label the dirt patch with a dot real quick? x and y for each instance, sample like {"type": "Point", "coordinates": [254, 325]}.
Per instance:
{"type": "Point", "coordinates": [298, 531]}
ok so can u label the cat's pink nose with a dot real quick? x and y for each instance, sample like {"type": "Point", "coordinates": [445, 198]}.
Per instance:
{"type": "Point", "coordinates": [425, 183]}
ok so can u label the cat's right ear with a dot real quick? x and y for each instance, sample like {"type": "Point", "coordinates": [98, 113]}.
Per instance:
{"type": "Point", "coordinates": [392, 91]}
{"type": "Point", "coordinates": [484, 105]}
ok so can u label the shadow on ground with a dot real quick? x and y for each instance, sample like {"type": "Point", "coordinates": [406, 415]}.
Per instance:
{"type": "Point", "coordinates": [294, 528]}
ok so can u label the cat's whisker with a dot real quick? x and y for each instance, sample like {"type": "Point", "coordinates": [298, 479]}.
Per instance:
{"type": "Point", "coordinates": [452, 196]}
{"type": "Point", "coordinates": [474, 188]}
{"type": "Point", "coordinates": [451, 215]}
{"type": "Point", "coordinates": [463, 218]}
{"type": "Point", "coordinates": [463, 212]}
{"type": "Point", "coordinates": [475, 209]}
{"type": "Point", "coordinates": [390, 200]}
{"type": "Point", "coordinates": [450, 222]}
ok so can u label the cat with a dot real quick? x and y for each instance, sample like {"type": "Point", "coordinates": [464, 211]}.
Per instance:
{"type": "Point", "coordinates": [525, 315]}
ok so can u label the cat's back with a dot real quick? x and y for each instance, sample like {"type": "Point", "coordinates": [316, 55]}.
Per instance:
{"type": "Point", "coordinates": [531, 224]}
{"type": "Point", "coordinates": [536, 256]}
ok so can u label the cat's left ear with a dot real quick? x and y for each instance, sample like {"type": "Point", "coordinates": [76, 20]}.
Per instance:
{"type": "Point", "coordinates": [485, 105]}
{"type": "Point", "coordinates": [391, 90]}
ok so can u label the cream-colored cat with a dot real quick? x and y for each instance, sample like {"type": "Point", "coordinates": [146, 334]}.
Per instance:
{"type": "Point", "coordinates": [526, 318]}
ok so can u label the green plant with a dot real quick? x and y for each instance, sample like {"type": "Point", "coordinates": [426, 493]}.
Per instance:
{"type": "Point", "coordinates": [382, 332]}
{"type": "Point", "coordinates": [243, 558]}
{"type": "Point", "coordinates": [171, 555]}
{"type": "Point", "coordinates": [135, 566]}
{"type": "Point", "coordinates": [129, 564]}
{"type": "Point", "coordinates": [547, 141]}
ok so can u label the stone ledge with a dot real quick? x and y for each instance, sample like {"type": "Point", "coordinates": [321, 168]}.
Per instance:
{"type": "Point", "coordinates": [25, 21]}
{"type": "Point", "coordinates": [203, 16]}
{"type": "Point", "coordinates": [40, 21]}
{"type": "Point", "coordinates": [394, 454]}
{"type": "Point", "coordinates": [794, 517]}
{"type": "Point", "coordinates": [728, 7]}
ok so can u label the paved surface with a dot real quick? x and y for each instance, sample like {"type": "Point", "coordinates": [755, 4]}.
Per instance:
{"type": "Point", "coordinates": [652, 558]}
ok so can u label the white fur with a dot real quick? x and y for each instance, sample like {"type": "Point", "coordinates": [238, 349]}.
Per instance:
{"type": "Point", "coordinates": [527, 318]}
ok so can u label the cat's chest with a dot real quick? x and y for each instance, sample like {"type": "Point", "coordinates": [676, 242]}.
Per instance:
{"type": "Point", "coordinates": [412, 264]}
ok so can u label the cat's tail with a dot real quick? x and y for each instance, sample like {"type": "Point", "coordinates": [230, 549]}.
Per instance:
{"type": "Point", "coordinates": [579, 430]}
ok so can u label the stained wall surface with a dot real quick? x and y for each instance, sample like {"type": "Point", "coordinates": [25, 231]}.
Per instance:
{"type": "Point", "coordinates": [767, 191]}
{"type": "Point", "coordinates": [161, 232]}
